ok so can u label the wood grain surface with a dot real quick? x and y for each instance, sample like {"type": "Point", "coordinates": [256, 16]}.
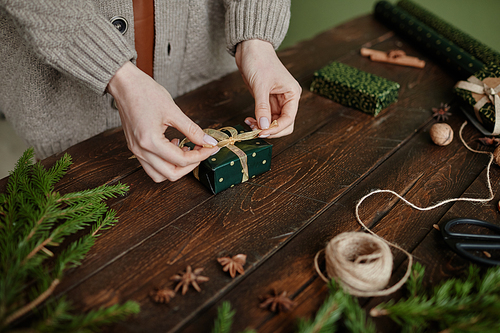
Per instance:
{"type": "Point", "coordinates": [282, 218]}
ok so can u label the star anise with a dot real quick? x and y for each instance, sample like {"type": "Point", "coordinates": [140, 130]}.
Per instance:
{"type": "Point", "coordinates": [441, 113]}
{"type": "Point", "coordinates": [277, 302]}
{"type": "Point", "coordinates": [162, 295]}
{"type": "Point", "coordinates": [190, 277]}
{"type": "Point", "coordinates": [234, 264]}
{"type": "Point", "coordinates": [490, 141]}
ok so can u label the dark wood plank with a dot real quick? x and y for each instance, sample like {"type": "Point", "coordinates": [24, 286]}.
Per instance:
{"type": "Point", "coordinates": [279, 219]}
{"type": "Point", "coordinates": [136, 231]}
{"type": "Point", "coordinates": [291, 268]}
{"type": "Point", "coordinates": [304, 195]}
{"type": "Point", "coordinates": [205, 237]}
{"type": "Point", "coordinates": [440, 261]}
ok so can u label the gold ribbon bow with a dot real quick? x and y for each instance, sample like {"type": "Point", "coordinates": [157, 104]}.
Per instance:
{"type": "Point", "coordinates": [227, 141]}
{"type": "Point", "coordinates": [485, 93]}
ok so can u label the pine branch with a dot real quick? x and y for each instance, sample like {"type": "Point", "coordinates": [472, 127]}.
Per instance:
{"type": "Point", "coordinates": [326, 317]}
{"type": "Point", "coordinates": [95, 319]}
{"type": "Point", "coordinates": [33, 304]}
{"type": "Point", "coordinates": [32, 219]}
{"type": "Point", "coordinates": [338, 305]}
{"type": "Point", "coordinates": [224, 319]}
{"type": "Point", "coordinates": [456, 305]}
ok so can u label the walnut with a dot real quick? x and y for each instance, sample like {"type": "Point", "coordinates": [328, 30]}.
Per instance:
{"type": "Point", "coordinates": [441, 134]}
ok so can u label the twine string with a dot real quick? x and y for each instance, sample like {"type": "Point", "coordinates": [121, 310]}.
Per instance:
{"type": "Point", "coordinates": [362, 263]}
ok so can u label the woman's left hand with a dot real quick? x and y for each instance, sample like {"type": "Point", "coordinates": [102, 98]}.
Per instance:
{"type": "Point", "coordinates": [275, 90]}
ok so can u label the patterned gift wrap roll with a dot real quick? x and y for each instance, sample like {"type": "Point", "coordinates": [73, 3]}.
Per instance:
{"type": "Point", "coordinates": [352, 87]}
{"type": "Point", "coordinates": [453, 57]}
{"type": "Point", "coordinates": [480, 94]}
{"type": "Point", "coordinates": [474, 47]}
{"type": "Point", "coordinates": [224, 169]}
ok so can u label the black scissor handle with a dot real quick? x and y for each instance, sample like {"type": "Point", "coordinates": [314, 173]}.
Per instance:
{"type": "Point", "coordinates": [461, 242]}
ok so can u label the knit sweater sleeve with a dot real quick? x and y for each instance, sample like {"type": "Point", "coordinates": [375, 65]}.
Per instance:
{"type": "Point", "coordinates": [256, 19]}
{"type": "Point", "coordinates": [72, 37]}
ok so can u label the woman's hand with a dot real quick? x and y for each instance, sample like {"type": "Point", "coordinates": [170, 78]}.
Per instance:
{"type": "Point", "coordinates": [275, 90]}
{"type": "Point", "coordinates": [146, 110]}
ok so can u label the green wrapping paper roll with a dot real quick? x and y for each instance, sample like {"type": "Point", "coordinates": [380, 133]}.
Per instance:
{"type": "Point", "coordinates": [438, 47]}
{"type": "Point", "coordinates": [477, 49]}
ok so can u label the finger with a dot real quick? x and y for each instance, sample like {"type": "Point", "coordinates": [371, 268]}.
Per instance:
{"type": "Point", "coordinates": [151, 172]}
{"type": "Point", "coordinates": [191, 130]}
{"type": "Point", "coordinates": [161, 169]}
{"type": "Point", "coordinates": [252, 123]}
{"type": "Point", "coordinates": [262, 107]}
{"type": "Point", "coordinates": [183, 157]}
{"type": "Point", "coordinates": [286, 119]}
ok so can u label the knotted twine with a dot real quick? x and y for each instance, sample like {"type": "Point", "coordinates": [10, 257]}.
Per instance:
{"type": "Point", "coordinates": [362, 263]}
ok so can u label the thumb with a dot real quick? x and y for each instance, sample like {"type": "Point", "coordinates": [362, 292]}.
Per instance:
{"type": "Point", "coordinates": [192, 131]}
{"type": "Point", "coordinates": [262, 107]}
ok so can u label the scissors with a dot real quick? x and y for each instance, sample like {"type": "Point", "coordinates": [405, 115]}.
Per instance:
{"type": "Point", "coordinates": [461, 243]}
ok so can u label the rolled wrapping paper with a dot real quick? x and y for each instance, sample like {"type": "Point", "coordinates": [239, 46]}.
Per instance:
{"type": "Point", "coordinates": [474, 47]}
{"type": "Point", "coordinates": [435, 45]}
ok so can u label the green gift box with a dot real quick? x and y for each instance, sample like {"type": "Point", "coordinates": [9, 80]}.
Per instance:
{"type": "Point", "coordinates": [352, 87]}
{"type": "Point", "coordinates": [480, 94]}
{"type": "Point", "coordinates": [234, 163]}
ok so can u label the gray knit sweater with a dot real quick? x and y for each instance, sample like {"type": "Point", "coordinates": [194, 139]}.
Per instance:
{"type": "Point", "coordinates": [58, 57]}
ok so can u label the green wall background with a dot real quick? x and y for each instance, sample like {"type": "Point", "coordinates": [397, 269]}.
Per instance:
{"type": "Point", "coordinates": [478, 18]}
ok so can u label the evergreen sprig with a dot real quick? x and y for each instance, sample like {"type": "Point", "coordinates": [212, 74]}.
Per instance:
{"type": "Point", "coordinates": [456, 305]}
{"type": "Point", "coordinates": [338, 306]}
{"type": "Point", "coordinates": [33, 220]}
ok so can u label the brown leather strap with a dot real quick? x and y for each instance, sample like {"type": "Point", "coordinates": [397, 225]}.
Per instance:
{"type": "Point", "coordinates": [144, 28]}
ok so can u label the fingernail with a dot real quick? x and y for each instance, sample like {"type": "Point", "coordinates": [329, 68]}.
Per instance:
{"type": "Point", "coordinates": [215, 152]}
{"type": "Point", "coordinates": [208, 139]}
{"type": "Point", "coordinates": [264, 123]}
{"type": "Point", "coordinates": [248, 122]}
{"type": "Point", "coordinates": [264, 136]}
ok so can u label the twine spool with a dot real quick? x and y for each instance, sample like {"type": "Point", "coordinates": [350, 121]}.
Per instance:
{"type": "Point", "coordinates": [362, 263]}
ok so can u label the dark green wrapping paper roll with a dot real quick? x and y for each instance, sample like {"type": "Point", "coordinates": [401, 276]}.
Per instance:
{"type": "Point", "coordinates": [223, 170]}
{"type": "Point", "coordinates": [453, 57]}
{"type": "Point", "coordinates": [485, 115]}
{"type": "Point", "coordinates": [352, 87]}
{"type": "Point", "coordinates": [474, 47]}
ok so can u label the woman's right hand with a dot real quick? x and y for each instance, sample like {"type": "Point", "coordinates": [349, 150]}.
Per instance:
{"type": "Point", "coordinates": [146, 111]}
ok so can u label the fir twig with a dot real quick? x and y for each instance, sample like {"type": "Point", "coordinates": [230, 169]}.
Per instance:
{"type": "Point", "coordinates": [456, 305]}
{"type": "Point", "coordinates": [224, 319]}
{"type": "Point", "coordinates": [33, 217]}
{"type": "Point", "coordinates": [33, 304]}
{"type": "Point", "coordinates": [338, 305]}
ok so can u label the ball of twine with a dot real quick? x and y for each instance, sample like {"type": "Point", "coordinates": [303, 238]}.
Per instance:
{"type": "Point", "coordinates": [360, 262]}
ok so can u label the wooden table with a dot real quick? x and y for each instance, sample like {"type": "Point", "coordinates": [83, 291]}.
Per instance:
{"type": "Point", "coordinates": [281, 219]}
